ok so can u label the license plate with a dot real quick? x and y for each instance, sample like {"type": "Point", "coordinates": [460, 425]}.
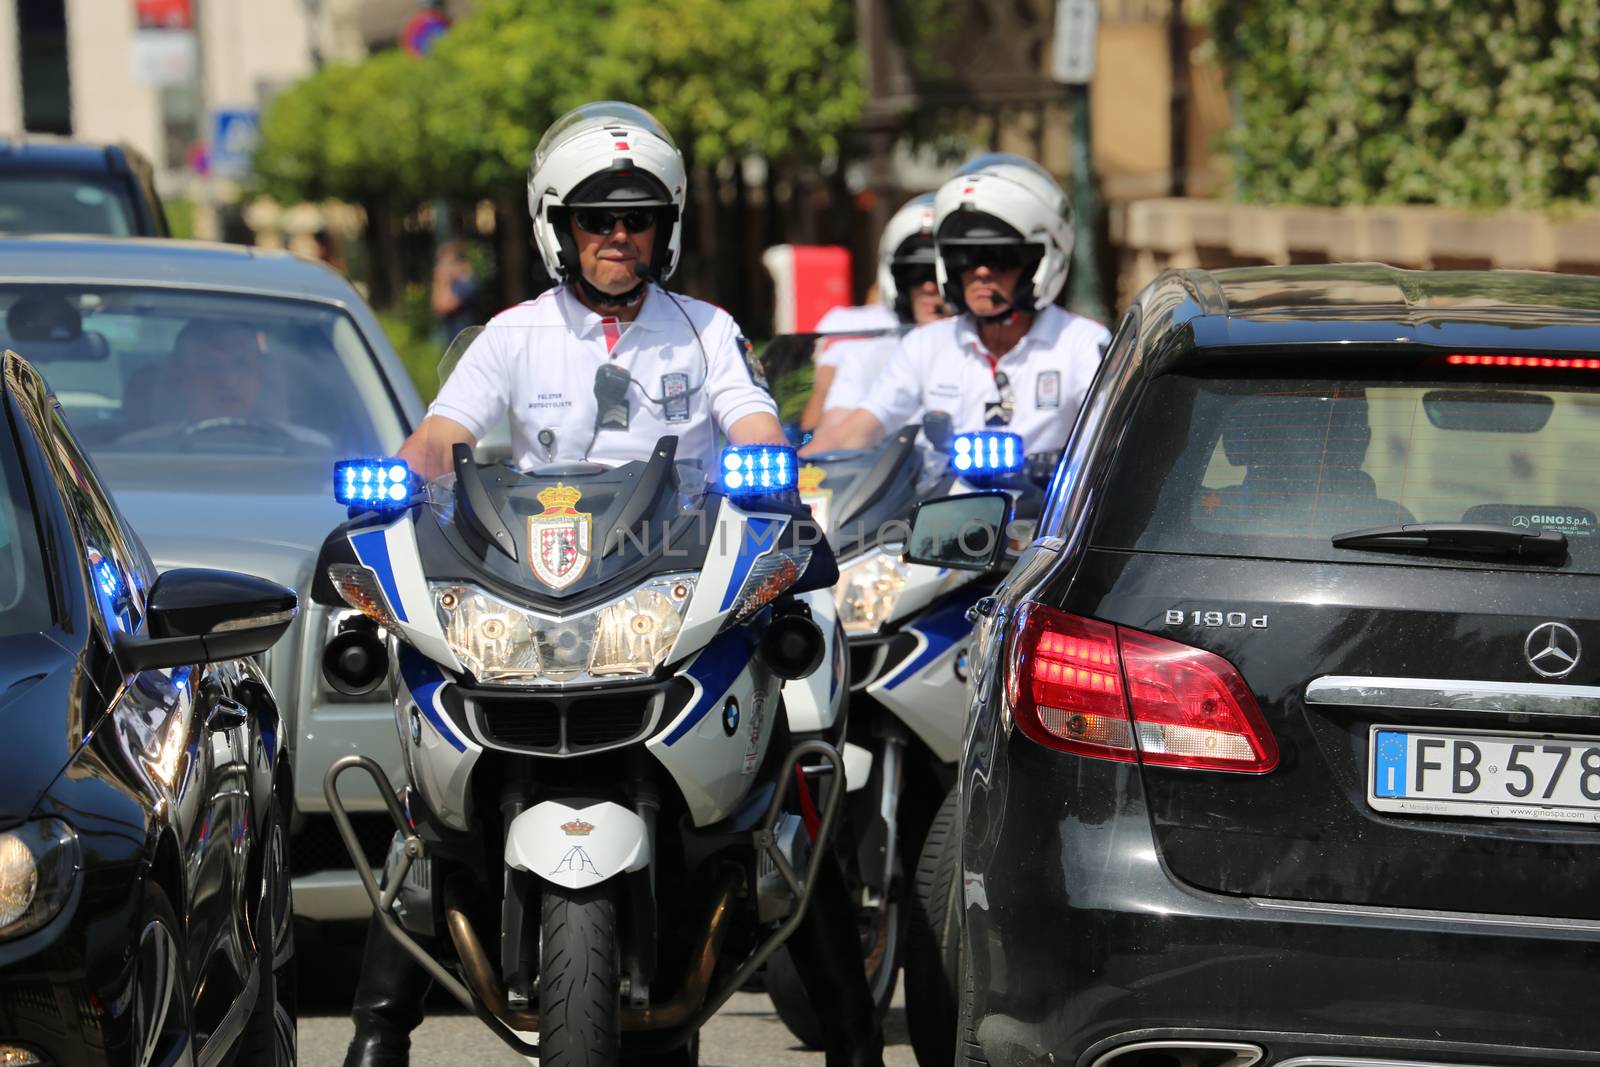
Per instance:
{"type": "Point", "coordinates": [1477, 774]}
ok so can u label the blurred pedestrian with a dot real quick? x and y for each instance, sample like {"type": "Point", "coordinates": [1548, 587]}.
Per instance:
{"type": "Point", "coordinates": [455, 290]}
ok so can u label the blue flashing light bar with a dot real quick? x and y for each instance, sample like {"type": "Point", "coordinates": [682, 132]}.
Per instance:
{"type": "Point", "coordinates": [755, 470]}
{"type": "Point", "coordinates": [372, 483]}
{"type": "Point", "coordinates": [986, 452]}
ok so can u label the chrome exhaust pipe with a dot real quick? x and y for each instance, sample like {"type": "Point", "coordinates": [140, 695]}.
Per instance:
{"type": "Point", "coordinates": [1177, 1052]}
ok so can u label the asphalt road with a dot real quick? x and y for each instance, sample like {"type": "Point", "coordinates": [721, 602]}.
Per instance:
{"type": "Point", "coordinates": [745, 1033]}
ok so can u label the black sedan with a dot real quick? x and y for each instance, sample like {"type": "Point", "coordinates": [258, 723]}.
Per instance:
{"type": "Point", "coordinates": [144, 887]}
{"type": "Point", "coordinates": [1284, 746]}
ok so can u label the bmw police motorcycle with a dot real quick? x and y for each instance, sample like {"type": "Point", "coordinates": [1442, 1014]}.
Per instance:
{"type": "Point", "coordinates": [907, 630]}
{"type": "Point", "coordinates": [618, 690]}
{"type": "Point", "coordinates": [909, 624]}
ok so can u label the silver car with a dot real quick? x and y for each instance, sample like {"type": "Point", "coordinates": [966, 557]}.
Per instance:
{"type": "Point", "coordinates": [214, 386]}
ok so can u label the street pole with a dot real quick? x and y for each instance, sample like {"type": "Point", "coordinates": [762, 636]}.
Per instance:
{"type": "Point", "coordinates": [1072, 65]}
{"type": "Point", "coordinates": [1084, 294]}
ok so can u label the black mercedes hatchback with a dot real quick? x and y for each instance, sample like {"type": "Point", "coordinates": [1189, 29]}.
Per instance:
{"type": "Point", "coordinates": [1284, 745]}
{"type": "Point", "coordinates": [145, 917]}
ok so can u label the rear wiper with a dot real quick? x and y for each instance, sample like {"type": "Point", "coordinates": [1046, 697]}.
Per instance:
{"type": "Point", "coordinates": [1489, 538]}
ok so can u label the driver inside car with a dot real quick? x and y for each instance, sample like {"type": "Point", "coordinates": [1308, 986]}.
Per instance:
{"type": "Point", "coordinates": [214, 383]}
{"type": "Point", "coordinates": [216, 370]}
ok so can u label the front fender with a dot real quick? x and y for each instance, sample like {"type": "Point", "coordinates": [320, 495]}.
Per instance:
{"type": "Point", "coordinates": [577, 847]}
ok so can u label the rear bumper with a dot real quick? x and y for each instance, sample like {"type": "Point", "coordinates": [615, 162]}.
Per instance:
{"type": "Point", "coordinates": [1079, 941]}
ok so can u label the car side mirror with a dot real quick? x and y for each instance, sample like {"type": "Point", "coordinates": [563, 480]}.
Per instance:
{"type": "Point", "coordinates": [194, 615]}
{"type": "Point", "coordinates": [965, 532]}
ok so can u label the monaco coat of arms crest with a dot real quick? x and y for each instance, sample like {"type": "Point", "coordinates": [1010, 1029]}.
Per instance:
{"type": "Point", "coordinates": [559, 537]}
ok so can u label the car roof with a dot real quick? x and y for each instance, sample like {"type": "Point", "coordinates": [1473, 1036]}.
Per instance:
{"type": "Point", "coordinates": [69, 260]}
{"type": "Point", "coordinates": [1375, 304]}
{"type": "Point", "coordinates": [52, 154]}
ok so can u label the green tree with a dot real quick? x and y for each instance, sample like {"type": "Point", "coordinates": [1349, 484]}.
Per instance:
{"type": "Point", "coordinates": [1487, 103]}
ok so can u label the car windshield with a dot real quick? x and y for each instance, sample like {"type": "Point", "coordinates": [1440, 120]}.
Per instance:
{"type": "Point", "coordinates": [171, 371]}
{"type": "Point", "coordinates": [24, 605]}
{"type": "Point", "coordinates": [1275, 468]}
{"type": "Point", "coordinates": [64, 203]}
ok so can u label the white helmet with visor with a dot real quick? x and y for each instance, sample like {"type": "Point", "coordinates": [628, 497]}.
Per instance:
{"type": "Point", "coordinates": [598, 163]}
{"type": "Point", "coordinates": [905, 254]}
{"type": "Point", "coordinates": [1002, 211]}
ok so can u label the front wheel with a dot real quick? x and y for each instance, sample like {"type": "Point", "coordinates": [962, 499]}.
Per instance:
{"type": "Point", "coordinates": [580, 1005]}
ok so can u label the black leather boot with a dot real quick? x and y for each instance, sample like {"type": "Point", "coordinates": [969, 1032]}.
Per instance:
{"type": "Point", "coordinates": [826, 950]}
{"type": "Point", "coordinates": [388, 1002]}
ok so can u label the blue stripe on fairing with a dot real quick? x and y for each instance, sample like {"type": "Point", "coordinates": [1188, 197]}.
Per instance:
{"type": "Point", "coordinates": [372, 549]}
{"type": "Point", "coordinates": [755, 540]}
{"type": "Point", "coordinates": [714, 670]}
{"type": "Point", "coordinates": [424, 678]}
{"type": "Point", "coordinates": [942, 629]}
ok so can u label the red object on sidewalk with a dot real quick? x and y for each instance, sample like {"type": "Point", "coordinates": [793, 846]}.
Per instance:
{"type": "Point", "coordinates": [810, 281]}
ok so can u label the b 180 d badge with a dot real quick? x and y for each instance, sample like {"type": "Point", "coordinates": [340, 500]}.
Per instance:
{"type": "Point", "coordinates": [559, 537]}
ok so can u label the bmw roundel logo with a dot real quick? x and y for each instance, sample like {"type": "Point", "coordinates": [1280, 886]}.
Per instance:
{"type": "Point", "coordinates": [730, 717]}
{"type": "Point", "coordinates": [416, 727]}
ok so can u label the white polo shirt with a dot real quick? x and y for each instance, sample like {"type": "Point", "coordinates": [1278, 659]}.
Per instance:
{"type": "Point", "coordinates": [857, 361]}
{"type": "Point", "coordinates": [942, 366]}
{"type": "Point", "coordinates": [538, 360]}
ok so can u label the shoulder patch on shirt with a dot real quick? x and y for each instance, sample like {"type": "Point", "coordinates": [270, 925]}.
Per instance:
{"type": "Point", "coordinates": [1047, 389]}
{"type": "Point", "coordinates": [748, 352]}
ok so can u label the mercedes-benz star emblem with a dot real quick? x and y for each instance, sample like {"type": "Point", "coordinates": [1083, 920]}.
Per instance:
{"type": "Point", "coordinates": [1552, 649]}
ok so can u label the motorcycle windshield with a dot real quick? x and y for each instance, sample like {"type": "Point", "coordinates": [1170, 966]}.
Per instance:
{"type": "Point", "coordinates": [569, 533]}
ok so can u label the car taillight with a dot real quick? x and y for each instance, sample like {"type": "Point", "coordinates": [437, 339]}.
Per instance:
{"type": "Point", "coordinates": [1084, 686]}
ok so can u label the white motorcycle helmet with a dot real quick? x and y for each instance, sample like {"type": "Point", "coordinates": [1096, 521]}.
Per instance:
{"type": "Point", "coordinates": [605, 154]}
{"type": "Point", "coordinates": [1004, 199]}
{"type": "Point", "coordinates": [906, 248]}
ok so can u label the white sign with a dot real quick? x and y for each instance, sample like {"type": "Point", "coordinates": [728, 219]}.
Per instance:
{"type": "Point", "coordinates": [163, 57]}
{"type": "Point", "coordinates": [1072, 61]}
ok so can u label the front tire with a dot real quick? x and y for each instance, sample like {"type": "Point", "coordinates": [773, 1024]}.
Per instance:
{"type": "Point", "coordinates": [163, 1029]}
{"type": "Point", "coordinates": [580, 1006]}
{"type": "Point", "coordinates": [933, 942]}
{"type": "Point", "coordinates": [270, 1037]}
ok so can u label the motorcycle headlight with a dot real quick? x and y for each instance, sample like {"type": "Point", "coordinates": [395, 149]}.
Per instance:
{"type": "Point", "coordinates": [867, 592]}
{"type": "Point", "coordinates": [38, 864]}
{"type": "Point", "coordinates": [503, 642]}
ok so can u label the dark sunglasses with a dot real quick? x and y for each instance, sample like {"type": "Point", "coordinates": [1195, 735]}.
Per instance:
{"type": "Point", "coordinates": [911, 275]}
{"type": "Point", "coordinates": [599, 220]}
{"type": "Point", "coordinates": [995, 257]}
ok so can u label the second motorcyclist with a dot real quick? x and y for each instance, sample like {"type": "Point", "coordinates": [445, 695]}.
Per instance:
{"type": "Point", "coordinates": [606, 189]}
{"type": "Point", "coordinates": [1011, 359]}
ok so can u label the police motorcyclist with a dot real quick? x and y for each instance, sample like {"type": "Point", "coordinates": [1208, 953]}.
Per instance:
{"type": "Point", "coordinates": [907, 292]}
{"type": "Point", "coordinates": [1010, 359]}
{"type": "Point", "coordinates": [606, 190]}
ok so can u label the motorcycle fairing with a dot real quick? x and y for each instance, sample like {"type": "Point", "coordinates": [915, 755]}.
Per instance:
{"type": "Point", "coordinates": [439, 755]}
{"type": "Point", "coordinates": [713, 746]}
{"type": "Point", "coordinates": [812, 703]}
{"type": "Point", "coordinates": [924, 689]}
{"type": "Point", "coordinates": [390, 552]}
{"type": "Point", "coordinates": [735, 540]}
{"type": "Point", "coordinates": [577, 847]}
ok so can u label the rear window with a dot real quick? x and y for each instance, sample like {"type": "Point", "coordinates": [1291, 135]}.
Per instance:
{"type": "Point", "coordinates": [65, 203]}
{"type": "Point", "coordinates": [1275, 468]}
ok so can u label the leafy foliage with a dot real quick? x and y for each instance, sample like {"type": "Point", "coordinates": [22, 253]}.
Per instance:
{"type": "Point", "coordinates": [1480, 103]}
{"type": "Point", "coordinates": [728, 77]}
